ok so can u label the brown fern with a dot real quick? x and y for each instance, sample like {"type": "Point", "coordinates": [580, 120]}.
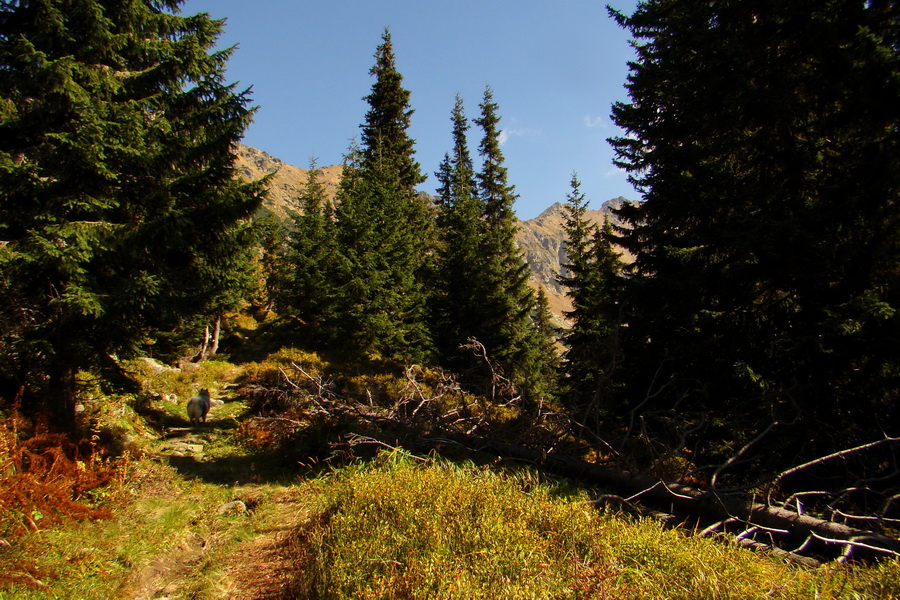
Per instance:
{"type": "Point", "coordinates": [44, 478]}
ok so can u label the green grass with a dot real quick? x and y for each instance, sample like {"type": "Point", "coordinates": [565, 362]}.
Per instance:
{"type": "Point", "coordinates": [185, 382]}
{"type": "Point", "coordinates": [156, 512]}
{"type": "Point", "coordinates": [400, 529]}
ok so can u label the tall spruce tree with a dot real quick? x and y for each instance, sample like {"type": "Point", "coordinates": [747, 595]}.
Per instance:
{"type": "Point", "coordinates": [383, 228]}
{"type": "Point", "coordinates": [118, 198]}
{"type": "Point", "coordinates": [547, 356]}
{"type": "Point", "coordinates": [508, 303]}
{"type": "Point", "coordinates": [764, 293]}
{"type": "Point", "coordinates": [231, 277]}
{"type": "Point", "coordinates": [460, 261]}
{"type": "Point", "coordinates": [274, 262]}
{"type": "Point", "coordinates": [311, 291]}
{"type": "Point", "coordinates": [591, 279]}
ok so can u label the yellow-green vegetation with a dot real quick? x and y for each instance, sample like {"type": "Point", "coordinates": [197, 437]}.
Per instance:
{"type": "Point", "coordinates": [393, 526]}
{"type": "Point", "coordinates": [158, 518]}
{"type": "Point", "coordinates": [164, 391]}
{"type": "Point", "coordinates": [403, 529]}
{"type": "Point", "coordinates": [160, 380]}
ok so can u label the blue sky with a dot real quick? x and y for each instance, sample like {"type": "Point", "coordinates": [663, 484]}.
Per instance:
{"type": "Point", "coordinates": [555, 69]}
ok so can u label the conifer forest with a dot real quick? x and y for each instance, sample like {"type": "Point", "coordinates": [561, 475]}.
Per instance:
{"type": "Point", "coordinates": [732, 352]}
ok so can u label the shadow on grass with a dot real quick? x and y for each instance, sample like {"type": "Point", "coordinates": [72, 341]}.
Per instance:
{"type": "Point", "coordinates": [213, 451]}
{"type": "Point", "coordinates": [235, 469]}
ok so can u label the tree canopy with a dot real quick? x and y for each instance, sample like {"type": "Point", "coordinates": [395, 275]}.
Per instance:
{"type": "Point", "coordinates": [762, 303]}
{"type": "Point", "coordinates": [120, 210]}
{"type": "Point", "coordinates": [592, 278]}
{"type": "Point", "coordinates": [460, 260]}
{"type": "Point", "coordinates": [508, 305]}
{"type": "Point", "coordinates": [382, 228]}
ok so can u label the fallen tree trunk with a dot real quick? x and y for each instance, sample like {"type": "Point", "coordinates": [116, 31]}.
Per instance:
{"type": "Point", "coordinates": [817, 535]}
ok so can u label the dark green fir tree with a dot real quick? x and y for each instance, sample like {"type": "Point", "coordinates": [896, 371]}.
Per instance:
{"type": "Point", "coordinates": [507, 306]}
{"type": "Point", "coordinates": [764, 294]}
{"type": "Point", "coordinates": [119, 203]}
{"type": "Point", "coordinates": [592, 281]}
{"type": "Point", "coordinates": [274, 263]}
{"type": "Point", "coordinates": [311, 292]}
{"type": "Point", "coordinates": [460, 261]}
{"type": "Point", "coordinates": [547, 357]}
{"type": "Point", "coordinates": [384, 229]}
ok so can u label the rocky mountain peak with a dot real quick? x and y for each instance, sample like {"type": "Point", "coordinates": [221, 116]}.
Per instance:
{"type": "Point", "coordinates": [555, 209]}
{"type": "Point", "coordinates": [288, 181]}
{"type": "Point", "coordinates": [542, 241]}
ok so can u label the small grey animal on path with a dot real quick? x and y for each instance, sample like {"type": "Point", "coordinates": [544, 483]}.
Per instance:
{"type": "Point", "coordinates": [198, 407]}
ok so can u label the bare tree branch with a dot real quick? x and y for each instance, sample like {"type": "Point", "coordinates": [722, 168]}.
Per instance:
{"type": "Point", "coordinates": [853, 543]}
{"type": "Point", "coordinates": [840, 454]}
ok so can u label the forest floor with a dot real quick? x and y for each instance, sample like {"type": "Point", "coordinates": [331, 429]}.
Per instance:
{"type": "Point", "coordinates": [198, 512]}
{"type": "Point", "coordinates": [194, 513]}
{"type": "Point", "coordinates": [244, 549]}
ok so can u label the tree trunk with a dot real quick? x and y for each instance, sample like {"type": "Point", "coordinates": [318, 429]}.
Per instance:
{"type": "Point", "coordinates": [61, 391]}
{"type": "Point", "coordinates": [205, 347]}
{"type": "Point", "coordinates": [210, 341]}
{"type": "Point", "coordinates": [215, 336]}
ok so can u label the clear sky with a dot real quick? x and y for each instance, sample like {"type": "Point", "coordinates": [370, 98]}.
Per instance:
{"type": "Point", "coordinates": [555, 68]}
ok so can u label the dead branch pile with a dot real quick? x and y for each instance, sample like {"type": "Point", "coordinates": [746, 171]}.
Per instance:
{"type": "Point", "coordinates": [438, 414]}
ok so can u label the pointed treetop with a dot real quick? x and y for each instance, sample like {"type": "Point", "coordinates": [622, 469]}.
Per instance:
{"type": "Point", "coordinates": [384, 134]}
{"type": "Point", "coordinates": [457, 174]}
{"type": "Point", "coordinates": [579, 231]}
{"type": "Point", "coordinates": [497, 194]}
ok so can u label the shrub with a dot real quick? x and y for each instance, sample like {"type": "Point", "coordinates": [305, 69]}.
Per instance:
{"type": "Point", "coordinates": [401, 530]}
{"type": "Point", "coordinates": [404, 529]}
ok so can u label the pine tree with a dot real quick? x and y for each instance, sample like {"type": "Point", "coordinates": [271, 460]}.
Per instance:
{"type": "Point", "coordinates": [384, 228]}
{"type": "Point", "coordinates": [579, 278]}
{"type": "Point", "coordinates": [459, 262]}
{"type": "Point", "coordinates": [311, 291]}
{"type": "Point", "coordinates": [547, 356]}
{"type": "Point", "coordinates": [231, 277]}
{"type": "Point", "coordinates": [508, 331]}
{"type": "Point", "coordinates": [274, 261]}
{"type": "Point", "coordinates": [592, 281]}
{"type": "Point", "coordinates": [765, 282]}
{"type": "Point", "coordinates": [385, 141]}
{"type": "Point", "coordinates": [119, 202]}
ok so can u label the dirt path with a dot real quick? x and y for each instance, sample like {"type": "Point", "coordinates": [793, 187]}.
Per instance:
{"type": "Point", "coordinates": [214, 565]}
{"type": "Point", "coordinates": [167, 574]}
{"type": "Point", "coordinates": [258, 568]}
{"type": "Point", "coordinates": [261, 567]}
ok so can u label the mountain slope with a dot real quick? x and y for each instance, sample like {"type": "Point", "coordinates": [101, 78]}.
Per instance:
{"type": "Point", "coordinates": [542, 241]}
{"type": "Point", "coordinates": [287, 182]}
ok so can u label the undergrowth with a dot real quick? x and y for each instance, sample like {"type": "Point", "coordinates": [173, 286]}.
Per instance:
{"type": "Point", "coordinates": [307, 406]}
{"type": "Point", "coordinates": [401, 529]}
{"type": "Point", "coordinates": [54, 484]}
{"type": "Point", "coordinates": [45, 478]}
{"type": "Point", "coordinates": [162, 524]}
{"type": "Point", "coordinates": [378, 525]}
